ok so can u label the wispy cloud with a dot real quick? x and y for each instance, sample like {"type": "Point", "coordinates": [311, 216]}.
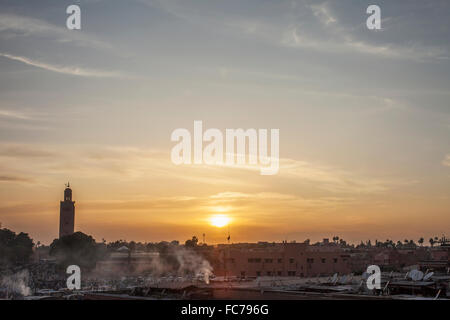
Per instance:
{"type": "Point", "coordinates": [338, 38]}
{"type": "Point", "coordinates": [13, 115]}
{"type": "Point", "coordinates": [11, 178]}
{"type": "Point", "coordinates": [298, 29]}
{"type": "Point", "coordinates": [135, 164]}
{"type": "Point", "coordinates": [346, 44]}
{"type": "Point", "coordinates": [446, 161]}
{"type": "Point", "coordinates": [289, 201]}
{"type": "Point", "coordinates": [12, 25]}
{"type": "Point", "coordinates": [323, 13]}
{"type": "Point", "coordinates": [23, 151]}
{"type": "Point", "coordinates": [70, 70]}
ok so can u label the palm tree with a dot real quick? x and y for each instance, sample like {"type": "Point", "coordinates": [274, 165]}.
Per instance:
{"type": "Point", "coordinates": [431, 242]}
{"type": "Point", "coordinates": [436, 239]}
{"type": "Point", "coordinates": [420, 241]}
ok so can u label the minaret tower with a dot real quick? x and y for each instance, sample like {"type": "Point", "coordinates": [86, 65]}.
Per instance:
{"type": "Point", "coordinates": [67, 213]}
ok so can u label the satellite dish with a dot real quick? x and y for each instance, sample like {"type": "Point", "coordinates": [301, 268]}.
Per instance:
{"type": "Point", "coordinates": [416, 275]}
{"type": "Point", "coordinates": [428, 276]}
{"type": "Point", "coordinates": [334, 279]}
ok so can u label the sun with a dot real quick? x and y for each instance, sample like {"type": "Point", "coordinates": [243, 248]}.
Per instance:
{"type": "Point", "coordinates": [219, 220]}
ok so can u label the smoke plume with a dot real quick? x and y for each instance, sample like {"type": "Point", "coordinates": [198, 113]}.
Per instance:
{"type": "Point", "coordinates": [17, 283]}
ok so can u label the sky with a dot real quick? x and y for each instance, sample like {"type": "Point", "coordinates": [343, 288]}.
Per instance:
{"type": "Point", "coordinates": [364, 118]}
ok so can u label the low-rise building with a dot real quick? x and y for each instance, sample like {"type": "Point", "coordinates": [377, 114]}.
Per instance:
{"type": "Point", "coordinates": [282, 259]}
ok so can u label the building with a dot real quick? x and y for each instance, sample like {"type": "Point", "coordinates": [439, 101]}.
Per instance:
{"type": "Point", "coordinates": [439, 259]}
{"type": "Point", "coordinates": [283, 260]}
{"type": "Point", "coordinates": [67, 214]}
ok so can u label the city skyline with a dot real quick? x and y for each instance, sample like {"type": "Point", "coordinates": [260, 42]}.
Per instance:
{"type": "Point", "coordinates": [222, 223]}
{"type": "Point", "coordinates": [363, 115]}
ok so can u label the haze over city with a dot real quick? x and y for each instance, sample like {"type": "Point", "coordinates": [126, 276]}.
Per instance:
{"type": "Point", "coordinates": [364, 118]}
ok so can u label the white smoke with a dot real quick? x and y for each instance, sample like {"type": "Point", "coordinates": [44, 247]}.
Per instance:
{"type": "Point", "coordinates": [16, 283]}
{"type": "Point", "coordinates": [188, 264]}
{"type": "Point", "coordinates": [183, 263]}
{"type": "Point", "coordinates": [191, 262]}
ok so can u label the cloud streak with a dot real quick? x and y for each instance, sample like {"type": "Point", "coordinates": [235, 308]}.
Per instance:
{"type": "Point", "coordinates": [337, 38]}
{"type": "Point", "coordinates": [12, 25]}
{"type": "Point", "coordinates": [320, 30]}
{"type": "Point", "coordinates": [69, 70]}
{"type": "Point", "coordinates": [446, 161]}
{"type": "Point", "coordinates": [135, 164]}
{"type": "Point", "coordinates": [13, 115]}
{"type": "Point", "coordinates": [11, 178]}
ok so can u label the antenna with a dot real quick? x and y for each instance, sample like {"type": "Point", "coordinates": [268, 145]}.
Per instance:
{"type": "Point", "coordinates": [428, 276]}
{"type": "Point", "coordinates": [334, 279]}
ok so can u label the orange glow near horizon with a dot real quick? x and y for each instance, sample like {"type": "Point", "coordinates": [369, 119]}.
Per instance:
{"type": "Point", "coordinates": [156, 200]}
